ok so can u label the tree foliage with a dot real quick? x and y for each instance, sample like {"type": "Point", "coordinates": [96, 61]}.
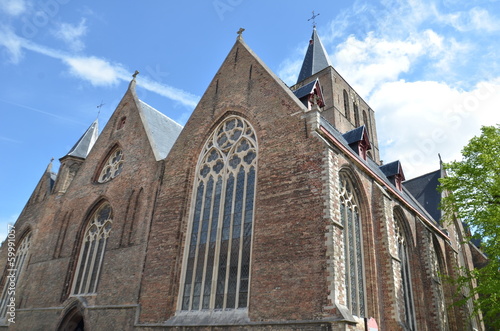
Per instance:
{"type": "Point", "coordinates": [472, 194]}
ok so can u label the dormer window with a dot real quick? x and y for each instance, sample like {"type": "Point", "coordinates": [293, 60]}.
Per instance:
{"type": "Point", "coordinates": [394, 173]}
{"type": "Point", "coordinates": [311, 95]}
{"type": "Point", "coordinates": [358, 141]}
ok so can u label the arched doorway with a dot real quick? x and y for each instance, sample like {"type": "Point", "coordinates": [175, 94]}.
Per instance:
{"type": "Point", "coordinates": [73, 321]}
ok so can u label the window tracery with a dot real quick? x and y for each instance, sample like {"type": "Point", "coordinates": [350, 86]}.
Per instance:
{"type": "Point", "coordinates": [112, 167]}
{"type": "Point", "coordinates": [92, 251]}
{"type": "Point", "coordinates": [409, 310]}
{"type": "Point", "coordinates": [21, 254]}
{"type": "Point", "coordinates": [353, 247]}
{"type": "Point", "coordinates": [217, 271]}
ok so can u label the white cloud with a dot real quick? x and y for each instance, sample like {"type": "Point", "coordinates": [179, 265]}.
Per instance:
{"type": "Point", "coordinates": [72, 34]}
{"type": "Point", "coordinates": [13, 7]}
{"type": "Point", "coordinates": [374, 60]}
{"type": "Point", "coordinates": [97, 71]}
{"type": "Point", "coordinates": [476, 19]}
{"type": "Point", "coordinates": [12, 43]}
{"type": "Point", "coordinates": [418, 120]}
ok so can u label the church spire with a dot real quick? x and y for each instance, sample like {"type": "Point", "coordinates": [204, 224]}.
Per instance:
{"type": "Point", "coordinates": [85, 143]}
{"type": "Point", "coordinates": [316, 58]}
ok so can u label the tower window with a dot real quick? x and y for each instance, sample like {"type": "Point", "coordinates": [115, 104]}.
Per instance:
{"type": "Point", "coordinates": [346, 106]}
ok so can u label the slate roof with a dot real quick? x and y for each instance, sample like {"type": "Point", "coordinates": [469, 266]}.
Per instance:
{"type": "Point", "coordinates": [305, 90]}
{"type": "Point", "coordinates": [424, 189]}
{"type": "Point", "coordinates": [374, 167]}
{"type": "Point", "coordinates": [162, 131]}
{"type": "Point", "coordinates": [85, 143]}
{"type": "Point", "coordinates": [391, 169]}
{"type": "Point", "coordinates": [316, 58]}
{"type": "Point", "coordinates": [355, 135]}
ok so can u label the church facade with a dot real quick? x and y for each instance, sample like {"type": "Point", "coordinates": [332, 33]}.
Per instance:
{"type": "Point", "coordinates": [270, 209]}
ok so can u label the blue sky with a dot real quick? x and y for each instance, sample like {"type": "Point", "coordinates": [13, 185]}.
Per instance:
{"type": "Point", "coordinates": [429, 69]}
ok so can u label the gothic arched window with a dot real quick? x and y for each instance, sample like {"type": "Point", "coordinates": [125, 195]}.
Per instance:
{"type": "Point", "coordinates": [346, 106]}
{"type": "Point", "coordinates": [14, 269]}
{"type": "Point", "coordinates": [112, 166]}
{"type": "Point", "coordinates": [353, 247]}
{"type": "Point", "coordinates": [217, 267]}
{"type": "Point", "coordinates": [92, 251]}
{"type": "Point", "coordinates": [408, 313]}
{"type": "Point", "coordinates": [356, 114]}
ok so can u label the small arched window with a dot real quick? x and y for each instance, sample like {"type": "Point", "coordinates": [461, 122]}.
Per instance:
{"type": "Point", "coordinates": [353, 247]}
{"type": "Point", "coordinates": [14, 270]}
{"type": "Point", "coordinates": [112, 167]}
{"type": "Point", "coordinates": [407, 308]}
{"type": "Point", "coordinates": [217, 267]}
{"type": "Point", "coordinates": [346, 106]}
{"type": "Point", "coordinates": [92, 250]}
{"type": "Point", "coordinates": [356, 114]}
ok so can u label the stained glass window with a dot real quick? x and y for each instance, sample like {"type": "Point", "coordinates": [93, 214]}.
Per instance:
{"type": "Point", "coordinates": [353, 247]}
{"type": "Point", "coordinates": [406, 292]}
{"type": "Point", "coordinates": [14, 269]}
{"type": "Point", "coordinates": [217, 270]}
{"type": "Point", "coordinates": [112, 167]}
{"type": "Point", "coordinates": [92, 251]}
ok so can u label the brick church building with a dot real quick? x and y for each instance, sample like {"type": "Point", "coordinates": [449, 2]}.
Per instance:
{"type": "Point", "coordinates": [270, 209]}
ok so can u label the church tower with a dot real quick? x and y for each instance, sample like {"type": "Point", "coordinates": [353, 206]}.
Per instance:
{"type": "Point", "coordinates": [344, 108]}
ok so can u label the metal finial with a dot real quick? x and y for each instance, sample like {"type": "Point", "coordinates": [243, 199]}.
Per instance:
{"type": "Point", "coordinates": [313, 18]}
{"type": "Point", "coordinates": [99, 107]}
{"type": "Point", "coordinates": [240, 32]}
{"type": "Point", "coordinates": [135, 74]}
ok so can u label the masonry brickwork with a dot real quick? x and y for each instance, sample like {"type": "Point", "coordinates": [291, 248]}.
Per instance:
{"type": "Point", "coordinates": [298, 270]}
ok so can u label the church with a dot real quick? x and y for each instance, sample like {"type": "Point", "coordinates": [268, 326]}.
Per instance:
{"type": "Point", "coordinates": [270, 209]}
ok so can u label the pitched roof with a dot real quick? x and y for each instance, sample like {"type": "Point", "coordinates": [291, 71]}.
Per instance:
{"type": "Point", "coordinates": [162, 131]}
{"type": "Point", "coordinates": [425, 190]}
{"type": "Point", "coordinates": [355, 135]}
{"type": "Point", "coordinates": [404, 194]}
{"type": "Point", "coordinates": [85, 143]}
{"type": "Point", "coordinates": [316, 58]}
{"type": "Point", "coordinates": [391, 169]}
{"type": "Point", "coordinates": [305, 90]}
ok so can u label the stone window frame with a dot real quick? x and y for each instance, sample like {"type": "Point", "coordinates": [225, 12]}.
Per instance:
{"type": "Point", "coordinates": [205, 250]}
{"type": "Point", "coordinates": [112, 166]}
{"type": "Point", "coordinates": [353, 246]}
{"type": "Point", "coordinates": [402, 240]}
{"type": "Point", "coordinates": [92, 251]}
{"type": "Point", "coordinates": [21, 256]}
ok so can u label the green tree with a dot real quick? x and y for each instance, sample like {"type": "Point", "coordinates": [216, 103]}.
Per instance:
{"type": "Point", "coordinates": [472, 188]}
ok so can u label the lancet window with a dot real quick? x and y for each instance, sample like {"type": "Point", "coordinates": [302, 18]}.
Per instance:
{"type": "Point", "coordinates": [408, 310]}
{"type": "Point", "coordinates": [353, 247]}
{"type": "Point", "coordinates": [217, 264]}
{"type": "Point", "coordinates": [14, 270]}
{"type": "Point", "coordinates": [92, 251]}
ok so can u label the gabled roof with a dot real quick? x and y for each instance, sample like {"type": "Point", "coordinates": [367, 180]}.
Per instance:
{"type": "Point", "coordinates": [425, 190]}
{"type": "Point", "coordinates": [85, 143]}
{"type": "Point", "coordinates": [305, 90]}
{"type": "Point", "coordinates": [391, 169]}
{"type": "Point", "coordinates": [162, 131]}
{"type": "Point", "coordinates": [316, 58]}
{"type": "Point", "coordinates": [355, 135]}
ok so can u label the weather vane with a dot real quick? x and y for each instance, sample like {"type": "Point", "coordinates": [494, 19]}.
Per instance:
{"type": "Point", "coordinates": [313, 18]}
{"type": "Point", "coordinates": [99, 107]}
{"type": "Point", "coordinates": [135, 74]}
